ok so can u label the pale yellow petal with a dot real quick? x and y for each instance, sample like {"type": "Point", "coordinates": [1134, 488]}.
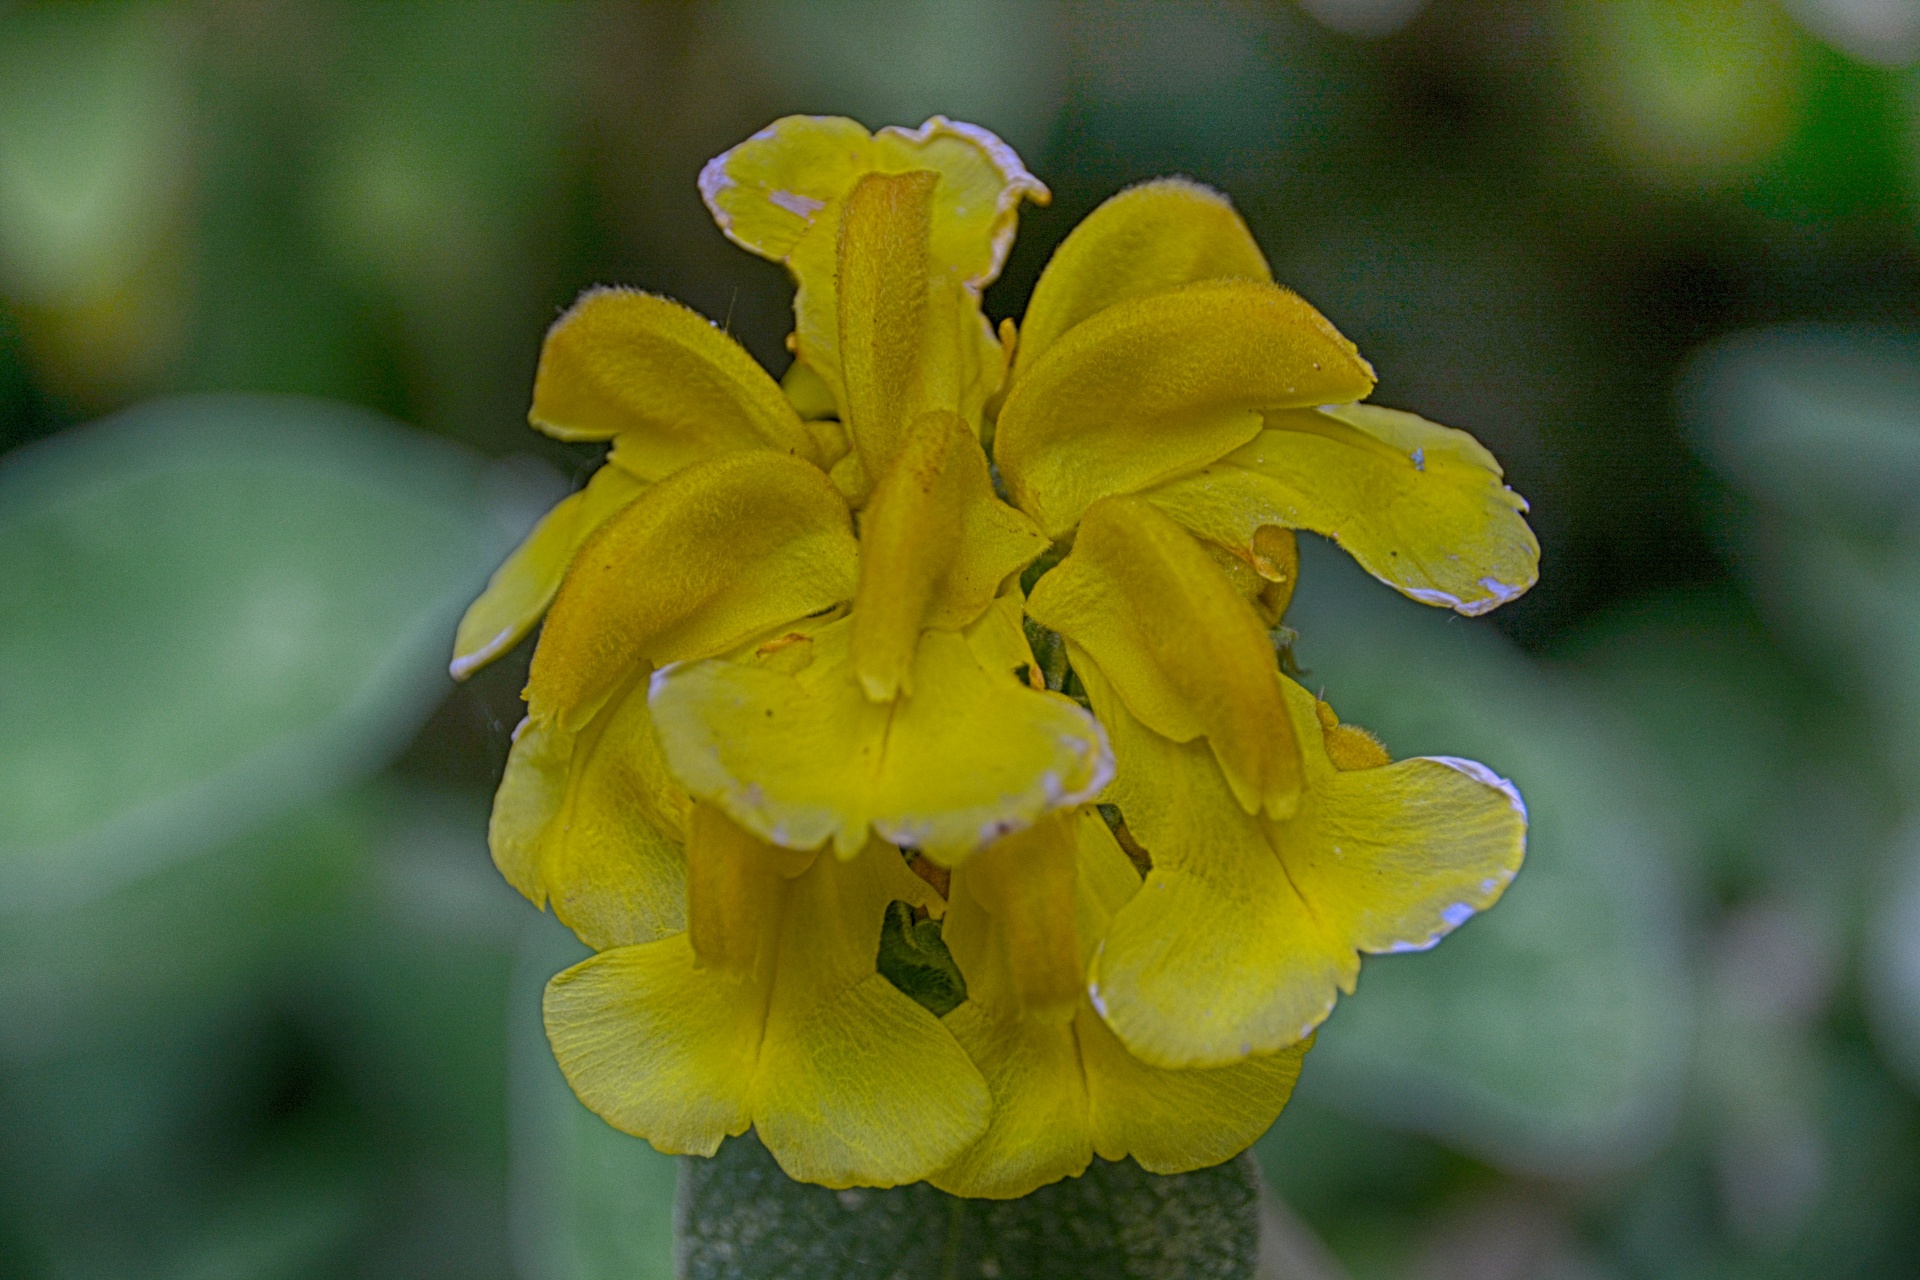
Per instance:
{"type": "Point", "coordinates": [1185, 651]}
{"type": "Point", "coordinates": [1147, 239]}
{"type": "Point", "coordinates": [935, 545]}
{"type": "Point", "coordinates": [658, 1047]}
{"type": "Point", "coordinates": [523, 586]}
{"type": "Point", "coordinates": [713, 555]}
{"type": "Point", "coordinates": [1420, 506]}
{"type": "Point", "coordinates": [803, 758]}
{"type": "Point", "coordinates": [662, 381]}
{"type": "Point", "coordinates": [1157, 386]}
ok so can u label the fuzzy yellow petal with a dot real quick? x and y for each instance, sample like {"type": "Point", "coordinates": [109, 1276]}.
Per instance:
{"type": "Point", "coordinates": [713, 555]}
{"type": "Point", "coordinates": [1175, 1121]}
{"type": "Point", "coordinates": [1185, 651]}
{"type": "Point", "coordinates": [935, 545]}
{"type": "Point", "coordinates": [662, 381]}
{"type": "Point", "coordinates": [857, 1084]}
{"type": "Point", "coordinates": [1419, 505]}
{"type": "Point", "coordinates": [768, 192]}
{"type": "Point", "coordinates": [523, 586]}
{"type": "Point", "coordinates": [593, 823]}
{"type": "Point", "coordinates": [658, 1047]}
{"type": "Point", "coordinates": [1218, 957]}
{"type": "Point", "coordinates": [805, 757]}
{"type": "Point", "coordinates": [1147, 239]}
{"type": "Point", "coordinates": [1157, 386]}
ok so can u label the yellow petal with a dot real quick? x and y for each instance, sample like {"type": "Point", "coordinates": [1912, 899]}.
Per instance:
{"type": "Point", "coordinates": [662, 379]}
{"type": "Point", "coordinates": [802, 758]}
{"type": "Point", "coordinates": [1263, 918]}
{"type": "Point", "coordinates": [1183, 649]}
{"type": "Point", "coordinates": [1157, 386]}
{"type": "Point", "coordinates": [1026, 883]}
{"type": "Point", "coordinates": [769, 191]}
{"type": "Point", "coordinates": [1175, 1121]}
{"type": "Point", "coordinates": [1218, 957]}
{"type": "Point", "coordinates": [658, 1047]}
{"type": "Point", "coordinates": [1040, 1130]}
{"type": "Point", "coordinates": [1147, 239]}
{"type": "Point", "coordinates": [1419, 505]}
{"type": "Point", "coordinates": [713, 555]}
{"type": "Point", "coordinates": [857, 1084]}
{"type": "Point", "coordinates": [935, 545]}
{"type": "Point", "coordinates": [1395, 857]}
{"type": "Point", "coordinates": [522, 587]}
{"type": "Point", "coordinates": [593, 822]}
{"type": "Point", "coordinates": [999, 640]}
{"type": "Point", "coordinates": [736, 890]}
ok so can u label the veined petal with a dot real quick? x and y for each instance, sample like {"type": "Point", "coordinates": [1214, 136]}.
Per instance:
{"type": "Point", "coordinates": [592, 822]}
{"type": "Point", "coordinates": [1147, 239]}
{"type": "Point", "coordinates": [736, 891]}
{"type": "Point", "coordinates": [768, 192]}
{"type": "Point", "coordinates": [1218, 958]}
{"type": "Point", "coordinates": [1040, 1130]}
{"type": "Point", "coordinates": [857, 1085]}
{"type": "Point", "coordinates": [1175, 1121]}
{"type": "Point", "coordinates": [1183, 649]}
{"type": "Point", "coordinates": [1419, 505]}
{"type": "Point", "coordinates": [660, 378]}
{"type": "Point", "coordinates": [802, 758]}
{"type": "Point", "coordinates": [523, 586]}
{"type": "Point", "coordinates": [657, 1046]}
{"type": "Point", "coordinates": [713, 555]}
{"type": "Point", "coordinates": [1157, 386]}
{"type": "Point", "coordinates": [1395, 857]}
{"type": "Point", "coordinates": [1265, 917]}
{"type": "Point", "coordinates": [935, 544]}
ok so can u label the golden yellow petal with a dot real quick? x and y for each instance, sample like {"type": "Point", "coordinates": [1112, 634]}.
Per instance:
{"type": "Point", "coordinates": [802, 758]}
{"type": "Point", "coordinates": [857, 1084]}
{"type": "Point", "coordinates": [1157, 386]}
{"type": "Point", "coordinates": [658, 1047]}
{"type": "Point", "coordinates": [1039, 1132]}
{"type": "Point", "coordinates": [935, 545]}
{"type": "Point", "coordinates": [713, 555]}
{"type": "Point", "coordinates": [1183, 649]}
{"type": "Point", "coordinates": [1395, 857]}
{"type": "Point", "coordinates": [1026, 883]}
{"type": "Point", "coordinates": [1147, 239]}
{"type": "Point", "coordinates": [1420, 506]}
{"type": "Point", "coordinates": [1218, 957]}
{"type": "Point", "coordinates": [736, 891]}
{"type": "Point", "coordinates": [665, 382]}
{"type": "Point", "coordinates": [999, 640]}
{"type": "Point", "coordinates": [1175, 1121]}
{"type": "Point", "coordinates": [523, 586]}
{"type": "Point", "coordinates": [768, 192]}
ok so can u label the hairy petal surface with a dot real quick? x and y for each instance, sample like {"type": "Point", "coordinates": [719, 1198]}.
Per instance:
{"type": "Point", "coordinates": [1419, 505]}
{"type": "Point", "coordinates": [717, 553]}
{"type": "Point", "coordinates": [1184, 650]}
{"type": "Point", "coordinates": [1156, 386]}
{"type": "Point", "coordinates": [805, 757]}
{"type": "Point", "coordinates": [524, 585]}
{"type": "Point", "coordinates": [1148, 239]}
{"type": "Point", "coordinates": [663, 382]}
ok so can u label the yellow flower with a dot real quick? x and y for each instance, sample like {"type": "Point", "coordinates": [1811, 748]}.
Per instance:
{"type": "Point", "coordinates": [786, 644]}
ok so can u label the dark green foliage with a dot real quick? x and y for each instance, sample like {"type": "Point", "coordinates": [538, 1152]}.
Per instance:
{"type": "Point", "coordinates": [914, 959]}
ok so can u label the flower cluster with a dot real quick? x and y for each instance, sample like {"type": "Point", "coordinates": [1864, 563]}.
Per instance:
{"type": "Point", "coordinates": [908, 737]}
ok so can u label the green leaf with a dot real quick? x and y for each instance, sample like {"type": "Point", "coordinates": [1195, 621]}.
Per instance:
{"type": "Point", "coordinates": [589, 1202]}
{"type": "Point", "coordinates": [1549, 1034]}
{"type": "Point", "coordinates": [914, 959]}
{"type": "Point", "coordinates": [743, 1219]}
{"type": "Point", "coordinates": [218, 607]}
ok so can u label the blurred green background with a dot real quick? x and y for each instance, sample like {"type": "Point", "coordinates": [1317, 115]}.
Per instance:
{"type": "Point", "coordinates": [267, 1011]}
